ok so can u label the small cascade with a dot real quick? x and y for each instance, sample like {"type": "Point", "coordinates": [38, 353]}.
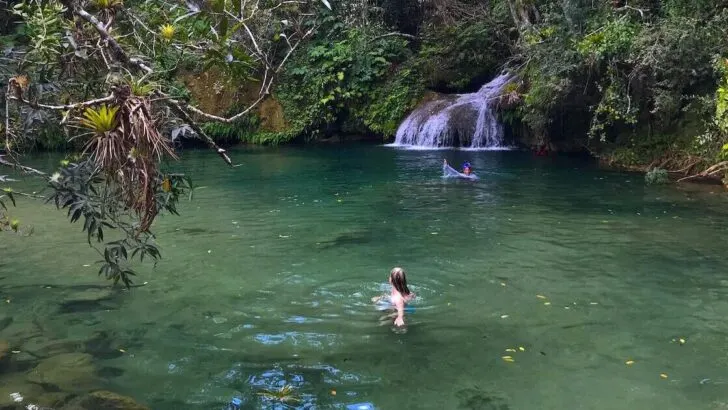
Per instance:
{"type": "Point", "coordinates": [463, 120]}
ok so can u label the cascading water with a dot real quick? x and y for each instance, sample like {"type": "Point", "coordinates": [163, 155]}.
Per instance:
{"type": "Point", "coordinates": [464, 120]}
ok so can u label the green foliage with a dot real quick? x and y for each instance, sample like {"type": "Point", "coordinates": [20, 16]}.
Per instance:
{"type": "Point", "coordinates": [657, 176]}
{"type": "Point", "coordinates": [7, 223]}
{"type": "Point", "coordinates": [87, 195]}
{"type": "Point", "coordinates": [392, 101]}
{"type": "Point", "coordinates": [228, 133]}
{"type": "Point", "coordinates": [460, 56]}
{"type": "Point", "coordinates": [44, 27]}
{"type": "Point", "coordinates": [614, 39]}
{"type": "Point", "coordinates": [330, 82]}
{"type": "Point", "coordinates": [6, 193]}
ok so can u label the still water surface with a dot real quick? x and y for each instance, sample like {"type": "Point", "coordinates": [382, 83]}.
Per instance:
{"type": "Point", "coordinates": [267, 278]}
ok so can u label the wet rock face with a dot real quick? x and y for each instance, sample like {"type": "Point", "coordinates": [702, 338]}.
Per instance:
{"type": "Point", "coordinates": [461, 120]}
{"type": "Point", "coordinates": [71, 372]}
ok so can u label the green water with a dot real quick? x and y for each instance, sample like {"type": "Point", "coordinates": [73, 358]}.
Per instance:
{"type": "Point", "coordinates": [267, 278]}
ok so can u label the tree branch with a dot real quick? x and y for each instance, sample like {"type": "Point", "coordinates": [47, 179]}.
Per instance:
{"type": "Point", "coordinates": [119, 52]}
{"type": "Point", "coordinates": [215, 117]}
{"type": "Point", "coordinates": [176, 107]}
{"type": "Point", "coordinates": [409, 36]}
{"type": "Point", "coordinates": [7, 163]}
{"type": "Point", "coordinates": [62, 107]}
{"type": "Point", "coordinates": [627, 8]}
{"type": "Point", "coordinates": [181, 108]}
{"type": "Point", "coordinates": [264, 91]}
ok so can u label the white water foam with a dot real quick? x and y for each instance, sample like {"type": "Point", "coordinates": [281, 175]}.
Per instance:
{"type": "Point", "coordinates": [466, 121]}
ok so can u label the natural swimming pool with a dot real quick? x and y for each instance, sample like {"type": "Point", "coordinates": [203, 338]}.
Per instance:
{"type": "Point", "coordinates": [267, 276]}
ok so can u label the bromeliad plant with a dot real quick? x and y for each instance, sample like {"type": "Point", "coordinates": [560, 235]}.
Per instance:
{"type": "Point", "coordinates": [100, 121]}
{"type": "Point", "coordinates": [117, 182]}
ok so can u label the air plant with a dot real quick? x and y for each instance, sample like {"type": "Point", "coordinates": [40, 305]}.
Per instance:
{"type": "Point", "coordinates": [167, 32]}
{"type": "Point", "coordinates": [142, 88]}
{"type": "Point", "coordinates": [100, 121]}
{"type": "Point", "coordinates": [107, 4]}
{"type": "Point", "coordinates": [107, 8]}
{"type": "Point", "coordinates": [127, 147]}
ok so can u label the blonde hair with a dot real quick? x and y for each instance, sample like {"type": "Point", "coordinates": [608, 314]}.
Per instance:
{"type": "Point", "coordinates": [398, 278]}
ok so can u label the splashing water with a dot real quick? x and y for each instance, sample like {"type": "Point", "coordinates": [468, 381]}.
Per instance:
{"type": "Point", "coordinates": [464, 120]}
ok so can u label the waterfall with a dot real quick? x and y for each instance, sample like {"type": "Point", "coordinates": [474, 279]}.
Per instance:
{"type": "Point", "coordinates": [463, 120]}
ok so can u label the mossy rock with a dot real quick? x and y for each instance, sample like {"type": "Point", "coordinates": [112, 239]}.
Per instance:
{"type": "Point", "coordinates": [4, 349]}
{"type": "Point", "coordinates": [15, 392]}
{"type": "Point", "coordinates": [104, 400]}
{"type": "Point", "coordinates": [72, 372]}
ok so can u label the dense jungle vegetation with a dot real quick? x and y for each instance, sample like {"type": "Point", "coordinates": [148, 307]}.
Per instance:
{"type": "Point", "coordinates": [119, 83]}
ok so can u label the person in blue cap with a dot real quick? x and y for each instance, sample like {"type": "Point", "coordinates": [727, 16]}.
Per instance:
{"type": "Point", "coordinates": [467, 169]}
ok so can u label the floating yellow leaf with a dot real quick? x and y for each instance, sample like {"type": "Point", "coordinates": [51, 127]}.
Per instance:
{"type": "Point", "coordinates": [682, 341]}
{"type": "Point", "coordinates": [122, 350]}
{"type": "Point", "coordinates": [629, 362]}
{"type": "Point", "coordinates": [663, 375]}
{"type": "Point", "coordinates": [508, 359]}
{"type": "Point", "coordinates": [547, 303]}
{"type": "Point", "coordinates": [521, 348]}
{"type": "Point", "coordinates": [503, 284]}
{"type": "Point", "coordinates": [511, 350]}
{"type": "Point", "coordinates": [541, 296]}
{"type": "Point", "coordinates": [333, 392]}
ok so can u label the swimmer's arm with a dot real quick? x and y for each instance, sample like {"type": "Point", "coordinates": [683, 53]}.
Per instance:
{"type": "Point", "coordinates": [376, 299]}
{"type": "Point", "coordinates": [399, 321]}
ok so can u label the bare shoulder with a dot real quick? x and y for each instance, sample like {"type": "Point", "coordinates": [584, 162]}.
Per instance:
{"type": "Point", "coordinates": [398, 300]}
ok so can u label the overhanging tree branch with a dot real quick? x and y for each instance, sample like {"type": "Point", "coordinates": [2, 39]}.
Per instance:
{"type": "Point", "coordinates": [123, 58]}
{"type": "Point", "coordinates": [64, 107]}
{"type": "Point", "coordinates": [23, 168]}
{"type": "Point", "coordinates": [181, 108]}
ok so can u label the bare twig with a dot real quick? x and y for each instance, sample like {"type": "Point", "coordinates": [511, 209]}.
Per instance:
{"type": "Point", "coordinates": [627, 7]}
{"type": "Point", "coordinates": [23, 168]}
{"type": "Point", "coordinates": [409, 36]}
{"type": "Point", "coordinates": [62, 107]}
{"type": "Point", "coordinates": [177, 108]}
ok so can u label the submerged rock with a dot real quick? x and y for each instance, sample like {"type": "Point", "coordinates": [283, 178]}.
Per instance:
{"type": "Point", "coordinates": [43, 347]}
{"type": "Point", "coordinates": [73, 372]}
{"type": "Point", "coordinates": [347, 238]}
{"type": "Point", "coordinates": [89, 295]}
{"type": "Point", "coordinates": [5, 321]}
{"type": "Point", "coordinates": [104, 400]}
{"type": "Point", "coordinates": [86, 300]}
{"type": "Point", "coordinates": [52, 400]}
{"type": "Point", "coordinates": [15, 391]}
{"type": "Point", "coordinates": [4, 349]}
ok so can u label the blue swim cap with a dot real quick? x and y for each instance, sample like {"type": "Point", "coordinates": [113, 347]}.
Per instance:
{"type": "Point", "coordinates": [466, 165]}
